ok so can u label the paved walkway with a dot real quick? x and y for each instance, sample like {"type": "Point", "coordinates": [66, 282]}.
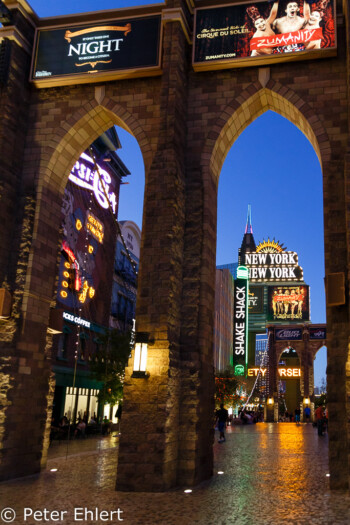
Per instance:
{"type": "Point", "coordinates": [272, 474]}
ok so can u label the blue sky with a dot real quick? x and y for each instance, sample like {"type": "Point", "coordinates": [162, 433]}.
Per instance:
{"type": "Point", "coordinates": [271, 166]}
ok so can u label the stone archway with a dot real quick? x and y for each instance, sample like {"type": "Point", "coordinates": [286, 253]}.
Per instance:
{"type": "Point", "coordinates": [185, 121]}
{"type": "Point", "coordinates": [26, 359]}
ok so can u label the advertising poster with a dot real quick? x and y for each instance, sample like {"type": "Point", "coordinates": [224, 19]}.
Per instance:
{"type": "Point", "coordinates": [262, 30]}
{"type": "Point", "coordinates": [90, 49]}
{"type": "Point", "coordinates": [256, 300]}
{"type": "Point", "coordinates": [289, 334]}
{"type": "Point", "coordinates": [319, 332]}
{"type": "Point", "coordinates": [288, 303]}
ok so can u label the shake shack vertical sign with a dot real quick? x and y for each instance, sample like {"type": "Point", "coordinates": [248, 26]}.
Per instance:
{"type": "Point", "coordinates": [94, 49]}
{"type": "Point", "coordinates": [240, 320]}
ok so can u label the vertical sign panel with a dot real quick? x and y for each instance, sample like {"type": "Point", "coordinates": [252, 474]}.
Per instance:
{"type": "Point", "coordinates": [240, 327]}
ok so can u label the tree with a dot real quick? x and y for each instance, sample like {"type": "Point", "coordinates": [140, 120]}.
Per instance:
{"type": "Point", "coordinates": [109, 365]}
{"type": "Point", "coordinates": [226, 388]}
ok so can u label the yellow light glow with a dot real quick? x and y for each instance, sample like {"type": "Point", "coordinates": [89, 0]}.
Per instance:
{"type": "Point", "coordinates": [91, 249]}
{"type": "Point", "coordinates": [64, 294]}
{"type": "Point", "coordinates": [91, 292]}
{"type": "Point", "coordinates": [65, 284]}
{"type": "Point", "coordinates": [78, 224]}
{"type": "Point", "coordinates": [66, 265]}
{"type": "Point", "coordinates": [66, 274]}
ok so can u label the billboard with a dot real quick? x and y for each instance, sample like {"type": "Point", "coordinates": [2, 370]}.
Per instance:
{"type": "Point", "coordinates": [256, 300]}
{"type": "Point", "coordinates": [244, 34]}
{"type": "Point", "coordinates": [318, 332]}
{"type": "Point", "coordinates": [288, 334]}
{"type": "Point", "coordinates": [240, 327]}
{"type": "Point", "coordinates": [81, 53]}
{"type": "Point", "coordinates": [288, 303]}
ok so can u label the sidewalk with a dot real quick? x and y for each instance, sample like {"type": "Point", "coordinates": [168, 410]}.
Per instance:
{"type": "Point", "coordinates": [272, 474]}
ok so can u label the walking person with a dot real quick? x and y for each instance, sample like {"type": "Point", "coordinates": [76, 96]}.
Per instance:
{"type": "Point", "coordinates": [319, 415]}
{"type": "Point", "coordinates": [307, 414]}
{"type": "Point", "coordinates": [297, 412]}
{"type": "Point", "coordinates": [221, 418]}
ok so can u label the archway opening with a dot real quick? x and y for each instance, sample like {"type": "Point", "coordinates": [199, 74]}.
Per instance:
{"type": "Point", "coordinates": [96, 285]}
{"type": "Point", "coordinates": [272, 164]}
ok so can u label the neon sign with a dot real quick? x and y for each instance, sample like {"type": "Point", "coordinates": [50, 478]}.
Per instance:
{"type": "Point", "coordinates": [86, 177]}
{"type": "Point", "coordinates": [240, 321]}
{"type": "Point", "coordinates": [95, 227]}
{"type": "Point", "coordinates": [268, 266]}
{"type": "Point", "coordinates": [282, 372]}
{"type": "Point", "coordinates": [73, 259]}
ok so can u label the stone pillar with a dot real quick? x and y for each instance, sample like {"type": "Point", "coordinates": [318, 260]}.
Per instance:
{"type": "Point", "coordinates": [336, 234]}
{"type": "Point", "coordinates": [149, 443]}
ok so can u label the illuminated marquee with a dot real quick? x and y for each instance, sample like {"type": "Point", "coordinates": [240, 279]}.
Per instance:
{"type": "Point", "coordinates": [267, 266]}
{"type": "Point", "coordinates": [282, 372]}
{"type": "Point", "coordinates": [251, 34]}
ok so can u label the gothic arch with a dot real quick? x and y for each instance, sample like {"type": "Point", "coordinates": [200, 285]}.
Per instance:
{"type": "Point", "coordinates": [237, 116]}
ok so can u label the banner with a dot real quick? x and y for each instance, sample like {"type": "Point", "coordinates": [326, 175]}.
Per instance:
{"type": "Point", "coordinates": [241, 34]}
{"type": "Point", "coordinates": [91, 50]}
{"type": "Point", "coordinates": [288, 303]}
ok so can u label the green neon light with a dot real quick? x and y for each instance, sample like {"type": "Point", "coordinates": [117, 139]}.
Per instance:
{"type": "Point", "coordinates": [242, 272]}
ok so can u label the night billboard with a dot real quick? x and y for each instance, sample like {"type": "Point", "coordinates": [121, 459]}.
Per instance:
{"type": "Point", "coordinates": [100, 50]}
{"type": "Point", "coordinates": [242, 34]}
{"type": "Point", "coordinates": [256, 300]}
{"type": "Point", "coordinates": [288, 303]}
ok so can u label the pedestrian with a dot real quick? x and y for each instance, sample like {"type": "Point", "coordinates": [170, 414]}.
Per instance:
{"type": "Point", "coordinates": [221, 418]}
{"type": "Point", "coordinates": [307, 413]}
{"type": "Point", "coordinates": [319, 415]}
{"type": "Point", "coordinates": [297, 412]}
{"type": "Point", "coordinates": [118, 414]}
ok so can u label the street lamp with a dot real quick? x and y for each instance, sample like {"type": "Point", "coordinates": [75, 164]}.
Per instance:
{"type": "Point", "coordinates": [140, 354]}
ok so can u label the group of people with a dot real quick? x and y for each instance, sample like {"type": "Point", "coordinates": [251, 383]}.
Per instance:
{"type": "Point", "coordinates": [321, 419]}
{"type": "Point", "coordinates": [291, 22]}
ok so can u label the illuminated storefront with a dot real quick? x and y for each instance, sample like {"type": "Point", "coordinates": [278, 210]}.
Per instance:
{"type": "Point", "coordinates": [84, 290]}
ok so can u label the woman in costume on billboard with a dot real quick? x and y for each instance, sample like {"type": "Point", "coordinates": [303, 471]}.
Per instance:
{"type": "Point", "coordinates": [263, 27]}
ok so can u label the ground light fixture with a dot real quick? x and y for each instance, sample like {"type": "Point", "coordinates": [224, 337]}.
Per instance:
{"type": "Point", "coordinates": [220, 472]}
{"type": "Point", "coordinates": [53, 469]}
{"type": "Point", "coordinates": [188, 491]}
{"type": "Point", "coordinates": [140, 354]}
